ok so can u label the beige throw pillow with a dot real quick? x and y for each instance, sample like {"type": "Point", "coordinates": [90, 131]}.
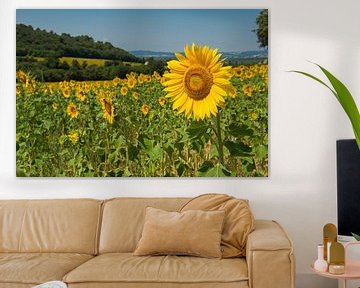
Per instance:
{"type": "Point", "coordinates": [238, 223]}
{"type": "Point", "coordinates": [194, 232]}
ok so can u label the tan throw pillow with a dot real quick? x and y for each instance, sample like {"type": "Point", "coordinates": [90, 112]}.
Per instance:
{"type": "Point", "coordinates": [196, 233]}
{"type": "Point", "coordinates": [239, 220]}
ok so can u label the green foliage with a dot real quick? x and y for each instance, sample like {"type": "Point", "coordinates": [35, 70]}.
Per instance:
{"type": "Point", "coordinates": [56, 69]}
{"type": "Point", "coordinates": [344, 97]}
{"type": "Point", "coordinates": [262, 33]}
{"type": "Point", "coordinates": [356, 236]}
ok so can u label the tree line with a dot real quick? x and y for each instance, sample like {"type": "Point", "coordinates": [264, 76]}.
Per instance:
{"type": "Point", "coordinates": [53, 70]}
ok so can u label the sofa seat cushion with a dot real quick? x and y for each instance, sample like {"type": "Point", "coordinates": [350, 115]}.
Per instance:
{"type": "Point", "coordinates": [36, 268]}
{"type": "Point", "coordinates": [127, 268]}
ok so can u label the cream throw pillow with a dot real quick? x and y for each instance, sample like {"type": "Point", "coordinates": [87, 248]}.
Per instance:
{"type": "Point", "coordinates": [193, 232]}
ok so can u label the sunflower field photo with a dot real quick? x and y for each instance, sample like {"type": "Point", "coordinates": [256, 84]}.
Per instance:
{"type": "Point", "coordinates": [142, 93]}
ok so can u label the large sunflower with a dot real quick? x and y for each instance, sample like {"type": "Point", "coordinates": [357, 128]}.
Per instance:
{"type": "Point", "coordinates": [198, 82]}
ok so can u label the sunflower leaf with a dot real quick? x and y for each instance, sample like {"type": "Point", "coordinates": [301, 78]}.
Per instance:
{"type": "Point", "coordinates": [215, 171]}
{"type": "Point", "coordinates": [196, 129]}
{"type": "Point", "coordinates": [206, 166]}
{"type": "Point", "coordinates": [153, 150]}
{"type": "Point", "coordinates": [237, 130]}
{"type": "Point", "coordinates": [261, 151]}
{"type": "Point", "coordinates": [238, 149]}
{"type": "Point", "coordinates": [133, 152]}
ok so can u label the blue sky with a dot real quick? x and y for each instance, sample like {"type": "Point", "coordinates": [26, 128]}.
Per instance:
{"type": "Point", "coordinates": [152, 29]}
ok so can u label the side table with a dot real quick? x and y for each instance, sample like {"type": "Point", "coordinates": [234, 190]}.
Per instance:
{"type": "Point", "coordinates": [352, 268]}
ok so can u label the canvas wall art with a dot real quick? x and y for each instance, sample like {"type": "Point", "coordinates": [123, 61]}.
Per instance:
{"type": "Point", "coordinates": [142, 93]}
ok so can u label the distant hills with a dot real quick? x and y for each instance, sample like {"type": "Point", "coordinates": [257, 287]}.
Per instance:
{"type": "Point", "coordinates": [149, 54]}
{"type": "Point", "coordinates": [252, 54]}
{"type": "Point", "coordinates": [256, 54]}
{"type": "Point", "coordinates": [41, 43]}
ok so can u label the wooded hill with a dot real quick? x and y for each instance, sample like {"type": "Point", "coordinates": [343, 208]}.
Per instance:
{"type": "Point", "coordinates": [51, 57]}
{"type": "Point", "coordinates": [40, 43]}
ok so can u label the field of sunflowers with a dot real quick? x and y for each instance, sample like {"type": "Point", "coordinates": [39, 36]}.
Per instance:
{"type": "Point", "coordinates": [200, 118]}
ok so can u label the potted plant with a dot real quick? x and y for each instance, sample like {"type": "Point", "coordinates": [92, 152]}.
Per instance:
{"type": "Point", "coordinates": [346, 100]}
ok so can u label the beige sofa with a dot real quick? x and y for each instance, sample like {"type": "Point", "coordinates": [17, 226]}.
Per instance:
{"type": "Point", "coordinates": [89, 243]}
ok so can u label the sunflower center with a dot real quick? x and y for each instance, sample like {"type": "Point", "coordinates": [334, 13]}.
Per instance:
{"type": "Point", "coordinates": [197, 82]}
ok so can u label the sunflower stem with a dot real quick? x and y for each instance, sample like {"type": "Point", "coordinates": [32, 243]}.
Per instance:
{"type": "Point", "coordinates": [218, 134]}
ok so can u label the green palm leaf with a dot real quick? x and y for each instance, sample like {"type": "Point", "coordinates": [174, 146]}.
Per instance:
{"type": "Point", "coordinates": [344, 97]}
{"type": "Point", "coordinates": [357, 237]}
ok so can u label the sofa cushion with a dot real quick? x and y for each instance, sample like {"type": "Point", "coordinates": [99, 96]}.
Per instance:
{"type": "Point", "coordinates": [36, 268]}
{"type": "Point", "coordinates": [193, 232]}
{"type": "Point", "coordinates": [126, 268]}
{"type": "Point", "coordinates": [238, 223]}
{"type": "Point", "coordinates": [63, 226]}
{"type": "Point", "coordinates": [123, 220]}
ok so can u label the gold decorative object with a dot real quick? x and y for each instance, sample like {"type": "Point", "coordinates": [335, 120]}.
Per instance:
{"type": "Point", "coordinates": [337, 258]}
{"type": "Point", "coordinates": [336, 269]}
{"type": "Point", "coordinates": [330, 236]}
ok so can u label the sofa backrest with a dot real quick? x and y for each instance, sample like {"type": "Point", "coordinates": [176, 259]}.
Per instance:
{"type": "Point", "coordinates": [67, 226]}
{"type": "Point", "coordinates": [123, 220]}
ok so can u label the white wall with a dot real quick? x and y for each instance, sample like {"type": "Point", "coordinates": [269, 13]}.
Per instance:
{"type": "Point", "coordinates": [305, 120]}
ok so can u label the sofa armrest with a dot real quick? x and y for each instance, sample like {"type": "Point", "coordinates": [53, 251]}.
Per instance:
{"type": "Point", "coordinates": [269, 256]}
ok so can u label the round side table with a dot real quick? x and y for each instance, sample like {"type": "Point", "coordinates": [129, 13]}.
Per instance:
{"type": "Point", "coordinates": [352, 269]}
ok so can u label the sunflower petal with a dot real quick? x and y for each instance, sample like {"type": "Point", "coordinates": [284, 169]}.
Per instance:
{"type": "Point", "coordinates": [174, 94]}
{"type": "Point", "coordinates": [215, 60]}
{"type": "Point", "coordinates": [173, 88]}
{"type": "Point", "coordinates": [189, 54]}
{"type": "Point", "coordinates": [180, 56]}
{"type": "Point", "coordinates": [216, 67]}
{"type": "Point", "coordinates": [189, 106]}
{"type": "Point", "coordinates": [173, 82]}
{"type": "Point", "coordinates": [221, 81]}
{"type": "Point", "coordinates": [176, 65]}
{"type": "Point", "coordinates": [179, 102]}
{"type": "Point", "coordinates": [174, 75]}
{"type": "Point", "coordinates": [217, 89]}
{"type": "Point", "coordinates": [196, 109]}
{"type": "Point", "coordinates": [209, 58]}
